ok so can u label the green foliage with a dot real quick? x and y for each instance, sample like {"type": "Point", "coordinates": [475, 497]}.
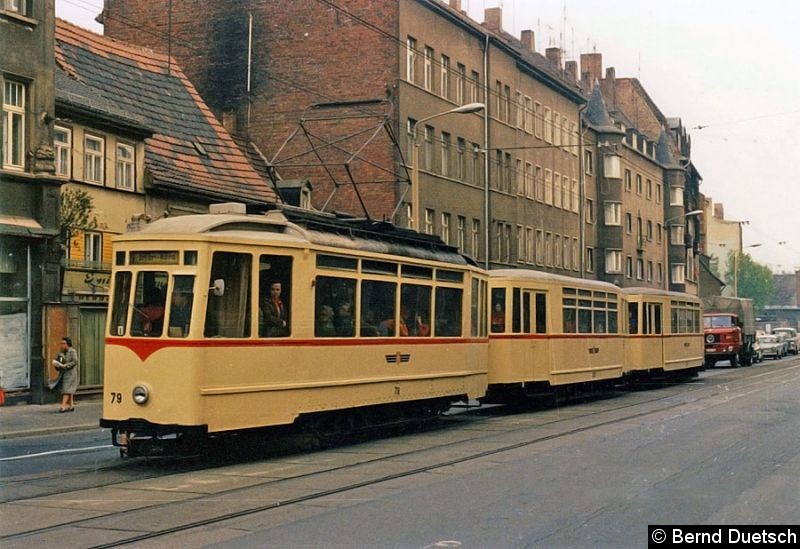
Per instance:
{"type": "Point", "coordinates": [76, 213]}
{"type": "Point", "coordinates": [713, 265]}
{"type": "Point", "coordinates": [755, 280]}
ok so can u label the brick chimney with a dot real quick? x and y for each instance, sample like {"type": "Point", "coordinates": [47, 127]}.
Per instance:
{"type": "Point", "coordinates": [455, 4]}
{"type": "Point", "coordinates": [493, 19]}
{"type": "Point", "coordinates": [591, 67]}
{"type": "Point", "coordinates": [554, 55]}
{"type": "Point", "coordinates": [528, 40]}
{"type": "Point", "coordinates": [572, 69]}
{"type": "Point", "coordinates": [719, 211]}
{"type": "Point", "coordinates": [611, 74]}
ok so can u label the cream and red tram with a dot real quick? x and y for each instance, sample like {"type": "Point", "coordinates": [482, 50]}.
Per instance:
{"type": "Point", "coordinates": [371, 318]}
{"type": "Point", "coordinates": [548, 330]}
{"type": "Point", "coordinates": [665, 332]}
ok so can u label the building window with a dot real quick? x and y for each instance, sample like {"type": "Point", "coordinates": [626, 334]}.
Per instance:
{"type": "Point", "coordinates": [475, 237]}
{"type": "Point", "coordinates": [529, 244]}
{"type": "Point", "coordinates": [548, 249]}
{"type": "Point", "coordinates": [528, 114]}
{"type": "Point", "coordinates": [548, 187]}
{"type": "Point", "coordinates": [638, 184]}
{"type": "Point", "coordinates": [649, 230]}
{"type": "Point", "coordinates": [589, 259]}
{"type": "Point", "coordinates": [477, 166]}
{"type": "Point", "coordinates": [18, 6]}
{"type": "Point", "coordinates": [62, 143]}
{"type": "Point", "coordinates": [445, 154]}
{"type": "Point", "coordinates": [658, 232]}
{"type": "Point", "coordinates": [507, 243]}
{"type": "Point", "coordinates": [538, 119]}
{"type": "Point", "coordinates": [658, 193]}
{"type": "Point", "coordinates": [461, 77]}
{"type": "Point", "coordinates": [125, 163]}
{"type": "Point", "coordinates": [445, 77]}
{"type": "Point", "coordinates": [649, 189]}
{"type": "Point", "coordinates": [539, 182]}
{"type": "Point", "coordinates": [557, 190]}
{"type": "Point", "coordinates": [429, 221]}
{"type": "Point", "coordinates": [676, 235]}
{"type": "Point", "coordinates": [428, 69]}
{"type": "Point", "coordinates": [629, 267]}
{"type": "Point", "coordinates": [461, 237]}
{"type": "Point", "coordinates": [628, 223]}
{"type": "Point", "coordinates": [519, 178]}
{"type": "Point", "coordinates": [93, 159]}
{"type": "Point", "coordinates": [628, 180]}
{"type": "Point", "coordinates": [613, 213]}
{"type": "Point", "coordinates": [676, 196]}
{"type": "Point", "coordinates": [589, 211]}
{"type": "Point", "coordinates": [461, 166]}
{"type": "Point", "coordinates": [640, 269]}
{"type": "Point", "coordinates": [613, 261]}
{"type": "Point", "coordinates": [678, 274]}
{"type": "Point", "coordinates": [13, 124]}
{"type": "Point", "coordinates": [507, 169]}
{"type": "Point", "coordinates": [557, 251]}
{"type": "Point", "coordinates": [446, 228]}
{"type": "Point", "coordinates": [409, 217]}
{"type": "Point", "coordinates": [507, 104]}
{"type": "Point", "coordinates": [659, 273]}
{"type": "Point", "coordinates": [411, 59]}
{"type": "Point", "coordinates": [518, 107]}
{"type": "Point", "coordinates": [411, 139]}
{"type": "Point", "coordinates": [474, 96]}
{"type": "Point", "coordinates": [539, 246]}
{"type": "Point", "coordinates": [575, 196]}
{"type": "Point", "coordinates": [649, 271]}
{"type": "Point", "coordinates": [521, 244]}
{"type": "Point", "coordinates": [588, 160]}
{"type": "Point", "coordinates": [555, 139]}
{"type": "Point", "coordinates": [93, 247]}
{"type": "Point", "coordinates": [529, 180]}
{"type": "Point", "coordinates": [548, 125]}
{"type": "Point", "coordinates": [428, 147]}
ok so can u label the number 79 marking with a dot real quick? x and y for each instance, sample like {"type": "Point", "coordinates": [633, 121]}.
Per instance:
{"type": "Point", "coordinates": [116, 398]}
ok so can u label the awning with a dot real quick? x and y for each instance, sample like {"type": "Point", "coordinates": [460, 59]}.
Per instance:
{"type": "Point", "coordinates": [24, 226]}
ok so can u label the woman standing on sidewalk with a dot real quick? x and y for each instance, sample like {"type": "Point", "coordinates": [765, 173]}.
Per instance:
{"type": "Point", "coordinates": [68, 363]}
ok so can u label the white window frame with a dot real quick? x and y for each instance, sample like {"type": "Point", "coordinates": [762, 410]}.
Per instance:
{"type": "Point", "coordinates": [445, 158]}
{"type": "Point", "coordinates": [428, 68]}
{"type": "Point", "coordinates": [548, 125]}
{"type": "Point", "coordinates": [575, 255]}
{"type": "Point", "coordinates": [94, 160]}
{"type": "Point", "coordinates": [539, 247]}
{"type": "Point", "coordinates": [126, 168]}
{"type": "Point", "coordinates": [14, 117]}
{"type": "Point", "coordinates": [548, 186]}
{"type": "Point", "coordinates": [93, 247]}
{"type": "Point", "coordinates": [429, 220]}
{"type": "Point", "coordinates": [538, 181]}
{"type": "Point", "coordinates": [428, 162]}
{"type": "Point", "coordinates": [519, 178]}
{"type": "Point", "coordinates": [519, 108]}
{"type": "Point", "coordinates": [614, 261]}
{"type": "Point", "coordinates": [474, 86]}
{"type": "Point", "coordinates": [676, 235]}
{"type": "Point", "coordinates": [411, 59]}
{"type": "Point", "coordinates": [628, 266]}
{"type": "Point", "coordinates": [588, 162]}
{"type": "Point", "coordinates": [528, 124]}
{"type": "Point", "coordinates": [676, 196]}
{"type": "Point", "coordinates": [444, 77]}
{"type": "Point", "coordinates": [639, 268]}
{"type": "Point", "coordinates": [557, 192]}
{"type": "Point", "coordinates": [445, 232]}
{"type": "Point", "coordinates": [461, 77]}
{"type": "Point", "coordinates": [678, 272]}
{"type": "Point", "coordinates": [557, 251]}
{"type": "Point", "coordinates": [589, 259]}
{"type": "Point", "coordinates": [529, 252]}
{"type": "Point", "coordinates": [461, 164]}
{"type": "Point", "coordinates": [17, 6]}
{"type": "Point", "coordinates": [538, 120]}
{"type": "Point", "coordinates": [475, 237]}
{"type": "Point", "coordinates": [612, 214]}
{"type": "Point", "coordinates": [529, 190]}
{"type": "Point", "coordinates": [575, 197]}
{"type": "Point", "coordinates": [461, 237]}
{"type": "Point", "coordinates": [589, 207]}
{"type": "Point", "coordinates": [521, 258]}
{"type": "Point", "coordinates": [63, 151]}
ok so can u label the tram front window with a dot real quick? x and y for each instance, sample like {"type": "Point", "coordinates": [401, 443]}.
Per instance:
{"type": "Point", "coordinates": [122, 296]}
{"type": "Point", "coordinates": [180, 310]}
{"type": "Point", "coordinates": [150, 296]}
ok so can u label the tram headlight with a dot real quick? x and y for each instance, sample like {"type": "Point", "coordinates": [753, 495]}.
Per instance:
{"type": "Point", "coordinates": [141, 394]}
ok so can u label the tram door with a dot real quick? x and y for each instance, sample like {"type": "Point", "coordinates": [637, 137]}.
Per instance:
{"type": "Point", "coordinates": [654, 325]}
{"type": "Point", "coordinates": [530, 317]}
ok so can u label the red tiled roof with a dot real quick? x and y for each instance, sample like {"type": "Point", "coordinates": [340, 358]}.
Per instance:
{"type": "Point", "coordinates": [150, 87]}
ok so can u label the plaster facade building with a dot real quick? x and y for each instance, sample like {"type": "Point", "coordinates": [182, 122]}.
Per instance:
{"type": "Point", "coordinates": [723, 241]}
{"type": "Point", "coordinates": [29, 190]}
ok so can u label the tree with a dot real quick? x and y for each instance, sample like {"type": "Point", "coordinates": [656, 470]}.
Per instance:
{"type": "Point", "coordinates": [713, 265]}
{"type": "Point", "coordinates": [75, 214]}
{"type": "Point", "coordinates": [755, 281]}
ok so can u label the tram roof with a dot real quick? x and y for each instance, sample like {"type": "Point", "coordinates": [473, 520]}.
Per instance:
{"type": "Point", "coordinates": [309, 228]}
{"type": "Point", "coordinates": [658, 292]}
{"type": "Point", "coordinates": [526, 274]}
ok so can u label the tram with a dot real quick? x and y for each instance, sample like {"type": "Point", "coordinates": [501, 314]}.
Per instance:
{"type": "Point", "coordinates": [656, 346]}
{"type": "Point", "coordinates": [223, 322]}
{"type": "Point", "coordinates": [549, 330]}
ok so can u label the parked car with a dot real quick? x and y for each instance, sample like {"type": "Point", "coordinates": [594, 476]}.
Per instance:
{"type": "Point", "coordinates": [793, 339]}
{"type": "Point", "coordinates": [783, 339]}
{"type": "Point", "coordinates": [770, 346]}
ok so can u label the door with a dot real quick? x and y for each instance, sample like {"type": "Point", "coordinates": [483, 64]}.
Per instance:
{"type": "Point", "coordinates": [91, 350]}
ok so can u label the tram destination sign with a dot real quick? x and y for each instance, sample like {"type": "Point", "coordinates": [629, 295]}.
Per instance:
{"type": "Point", "coordinates": [154, 257]}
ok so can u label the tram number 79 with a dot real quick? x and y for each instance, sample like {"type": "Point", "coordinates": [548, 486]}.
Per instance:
{"type": "Point", "coordinates": [116, 398]}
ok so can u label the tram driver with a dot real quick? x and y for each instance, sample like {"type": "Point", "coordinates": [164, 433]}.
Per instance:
{"type": "Point", "coordinates": [274, 313]}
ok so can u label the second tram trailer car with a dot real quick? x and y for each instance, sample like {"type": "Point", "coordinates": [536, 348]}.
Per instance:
{"type": "Point", "coordinates": [549, 331]}
{"type": "Point", "coordinates": [665, 334]}
{"type": "Point", "coordinates": [223, 322]}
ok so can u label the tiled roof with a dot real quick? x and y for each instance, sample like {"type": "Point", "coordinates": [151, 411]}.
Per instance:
{"type": "Point", "coordinates": [142, 88]}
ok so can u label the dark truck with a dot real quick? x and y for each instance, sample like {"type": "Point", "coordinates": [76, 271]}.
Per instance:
{"type": "Point", "coordinates": [729, 330]}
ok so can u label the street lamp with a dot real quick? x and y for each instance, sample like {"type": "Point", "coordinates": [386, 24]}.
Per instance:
{"type": "Point", "coordinates": [736, 254]}
{"type": "Point", "coordinates": [668, 228]}
{"type": "Point", "coordinates": [464, 109]}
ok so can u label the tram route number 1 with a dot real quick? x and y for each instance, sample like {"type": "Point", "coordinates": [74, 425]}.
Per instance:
{"type": "Point", "coordinates": [116, 398]}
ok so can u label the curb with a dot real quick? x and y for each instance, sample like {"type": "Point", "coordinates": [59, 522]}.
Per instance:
{"type": "Point", "coordinates": [49, 431]}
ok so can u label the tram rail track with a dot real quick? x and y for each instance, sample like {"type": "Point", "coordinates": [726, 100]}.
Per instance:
{"type": "Point", "coordinates": [698, 394]}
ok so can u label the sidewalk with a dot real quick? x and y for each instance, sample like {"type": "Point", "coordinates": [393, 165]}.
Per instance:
{"type": "Point", "coordinates": [25, 420]}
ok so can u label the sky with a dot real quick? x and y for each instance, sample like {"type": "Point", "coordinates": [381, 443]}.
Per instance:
{"type": "Point", "coordinates": [728, 68]}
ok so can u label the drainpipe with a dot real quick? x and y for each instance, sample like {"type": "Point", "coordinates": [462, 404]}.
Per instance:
{"type": "Point", "coordinates": [582, 193]}
{"type": "Point", "coordinates": [486, 194]}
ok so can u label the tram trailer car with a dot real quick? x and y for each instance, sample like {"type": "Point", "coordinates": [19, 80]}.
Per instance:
{"type": "Point", "coordinates": [550, 331]}
{"type": "Point", "coordinates": [655, 346]}
{"type": "Point", "coordinates": [367, 323]}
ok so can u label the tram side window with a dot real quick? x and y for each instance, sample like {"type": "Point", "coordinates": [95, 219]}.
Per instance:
{"type": "Point", "coordinates": [541, 313]}
{"type": "Point", "coordinates": [613, 321]}
{"type": "Point", "coordinates": [498, 310]}
{"type": "Point", "coordinates": [584, 316]}
{"type": "Point", "coordinates": [599, 317]}
{"type": "Point", "coordinates": [274, 296]}
{"type": "Point", "coordinates": [479, 308]}
{"type": "Point", "coordinates": [515, 310]}
{"type": "Point", "coordinates": [633, 318]}
{"type": "Point", "coordinates": [378, 308]}
{"type": "Point", "coordinates": [652, 318]}
{"type": "Point", "coordinates": [474, 308]}
{"type": "Point", "coordinates": [228, 315]}
{"type": "Point", "coordinates": [674, 320]}
{"type": "Point", "coordinates": [415, 310]}
{"type": "Point", "coordinates": [180, 310]}
{"type": "Point", "coordinates": [150, 297]}
{"type": "Point", "coordinates": [122, 296]}
{"type": "Point", "coordinates": [570, 314]}
{"type": "Point", "coordinates": [448, 312]}
{"type": "Point", "coordinates": [334, 307]}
